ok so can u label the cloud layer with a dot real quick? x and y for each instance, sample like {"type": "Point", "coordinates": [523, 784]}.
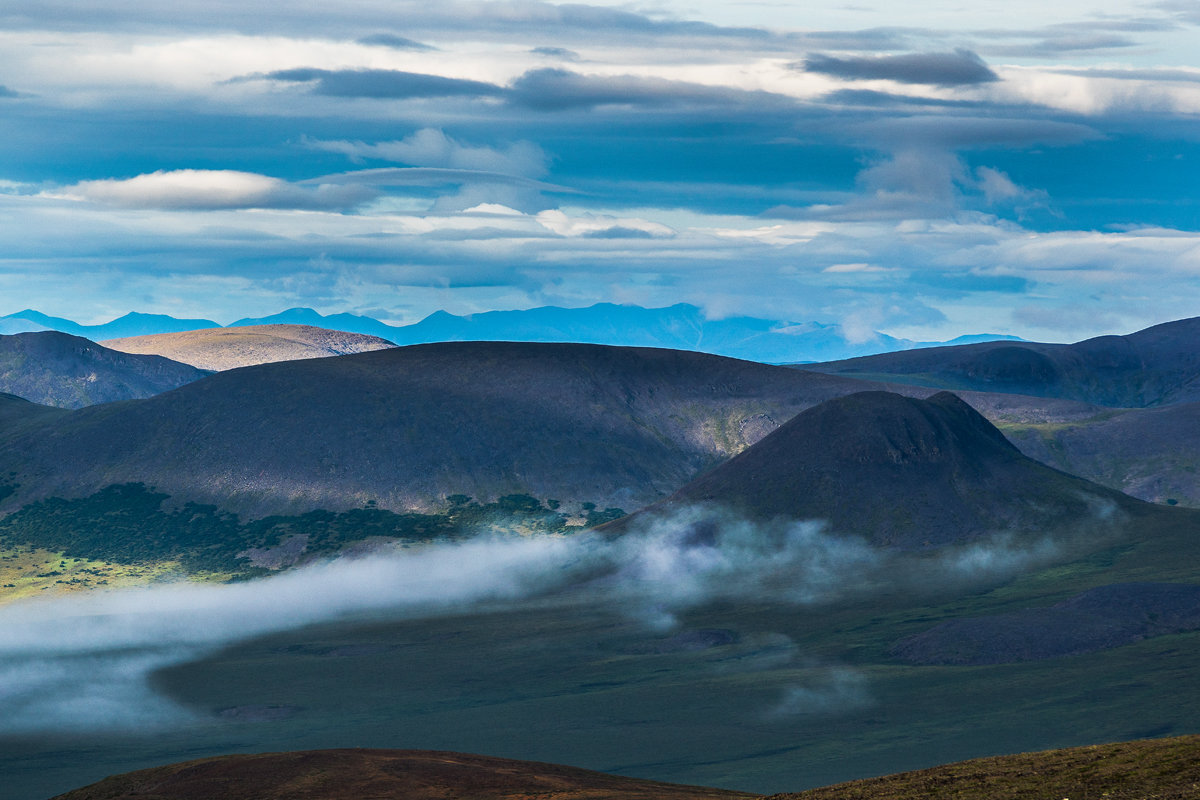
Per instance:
{"type": "Point", "coordinates": [227, 161]}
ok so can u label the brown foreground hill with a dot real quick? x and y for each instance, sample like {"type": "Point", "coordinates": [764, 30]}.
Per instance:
{"type": "Point", "coordinates": [378, 774]}
{"type": "Point", "coordinates": [1158, 769]}
{"type": "Point", "coordinates": [228, 348]}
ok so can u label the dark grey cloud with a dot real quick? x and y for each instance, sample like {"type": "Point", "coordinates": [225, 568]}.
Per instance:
{"type": "Point", "coordinates": [395, 42]}
{"type": "Point", "coordinates": [381, 83]}
{"type": "Point", "coordinates": [960, 68]}
{"type": "Point", "coordinates": [556, 52]}
{"type": "Point", "coordinates": [559, 89]}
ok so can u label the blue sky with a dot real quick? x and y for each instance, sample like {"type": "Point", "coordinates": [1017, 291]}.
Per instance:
{"type": "Point", "coordinates": [918, 169]}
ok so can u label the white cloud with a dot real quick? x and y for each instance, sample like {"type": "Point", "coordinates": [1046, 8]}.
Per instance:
{"type": "Point", "coordinates": [199, 189]}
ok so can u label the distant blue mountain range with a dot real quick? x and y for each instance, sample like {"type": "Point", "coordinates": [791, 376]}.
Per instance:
{"type": "Point", "coordinates": [679, 327]}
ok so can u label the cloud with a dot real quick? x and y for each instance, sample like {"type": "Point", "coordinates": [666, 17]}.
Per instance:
{"type": "Point", "coordinates": [603, 227]}
{"type": "Point", "coordinates": [6, 92]}
{"type": "Point", "coordinates": [558, 89]}
{"type": "Point", "coordinates": [833, 690]}
{"type": "Point", "coordinates": [430, 147]}
{"type": "Point", "coordinates": [213, 189]}
{"type": "Point", "coordinates": [382, 84]}
{"type": "Point", "coordinates": [556, 52]}
{"type": "Point", "coordinates": [395, 42]}
{"type": "Point", "coordinates": [959, 68]}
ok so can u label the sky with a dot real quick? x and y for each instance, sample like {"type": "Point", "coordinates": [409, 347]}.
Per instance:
{"type": "Point", "coordinates": [925, 170]}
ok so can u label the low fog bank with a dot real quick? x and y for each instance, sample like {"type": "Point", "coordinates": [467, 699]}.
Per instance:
{"type": "Point", "coordinates": [82, 662]}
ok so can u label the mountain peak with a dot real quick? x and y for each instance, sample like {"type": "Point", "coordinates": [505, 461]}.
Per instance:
{"type": "Point", "coordinates": [899, 471]}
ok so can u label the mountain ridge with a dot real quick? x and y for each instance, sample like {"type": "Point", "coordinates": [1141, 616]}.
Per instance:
{"type": "Point", "coordinates": [681, 326]}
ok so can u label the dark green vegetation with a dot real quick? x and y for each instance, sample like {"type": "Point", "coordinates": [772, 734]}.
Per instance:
{"type": "Point", "coordinates": [58, 369]}
{"type": "Point", "coordinates": [902, 472]}
{"type": "Point", "coordinates": [130, 524]}
{"type": "Point", "coordinates": [1164, 769]}
{"type": "Point", "coordinates": [400, 774]}
{"type": "Point", "coordinates": [408, 427]}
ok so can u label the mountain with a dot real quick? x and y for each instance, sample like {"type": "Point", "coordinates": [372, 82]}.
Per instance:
{"type": "Point", "coordinates": [1149, 453]}
{"type": "Point", "coordinates": [677, 327]}
{"type": "Point", "coordinates": [132, 324]}
{"type": "Point", "coordinates": [8, 327]}
{"type": "Point", "coordinates": [407, 427]}
{"type": "Point", "coordinates": [680, 327]}
{"type": "Point", "coordinates": [1153, 367]}
{"type": "Point", "coordinates": [227, 348]}
{"type": "Point", "coordinates": [900, 472]}
{"type": "Point", "coordinates": [1165, 769]}
{"type": "Point", "coordinates": [57, 369]}
{"type": "Point", "coordinates": [360, 773]}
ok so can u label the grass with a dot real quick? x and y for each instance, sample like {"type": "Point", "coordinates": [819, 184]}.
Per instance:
{"type": "Point", "coordinates": [1166, 769]}
{"type": "Point", "coordinates": [35, 572]}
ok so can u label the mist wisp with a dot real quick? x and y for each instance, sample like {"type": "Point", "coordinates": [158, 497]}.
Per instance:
{"type": "Point", "coordinates": [82, 661]}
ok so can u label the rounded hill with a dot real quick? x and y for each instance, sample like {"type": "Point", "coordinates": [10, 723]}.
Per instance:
{"type": "Point", "coordinates": [401, 774]}
{"type": "Point", "coordinates": [900, 471]}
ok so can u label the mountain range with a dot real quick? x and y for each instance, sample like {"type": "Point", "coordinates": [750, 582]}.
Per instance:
{"type": "Point", "coordinates": [825, 558]}
{"type": "Point", "coordinates": [680, 327]}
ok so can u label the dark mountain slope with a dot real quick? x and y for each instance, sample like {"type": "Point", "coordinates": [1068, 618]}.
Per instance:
{"type": "Point", "coordinates": [408, 426]}
{"type": "Point", "coordinates": [1155, 366]}
{"type": "Point", "coordinates": [899, 471]}
{"type": "Point", "coordinates": [1151, 453]}
{"type": "Point", "coordinates": [58, 369]}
